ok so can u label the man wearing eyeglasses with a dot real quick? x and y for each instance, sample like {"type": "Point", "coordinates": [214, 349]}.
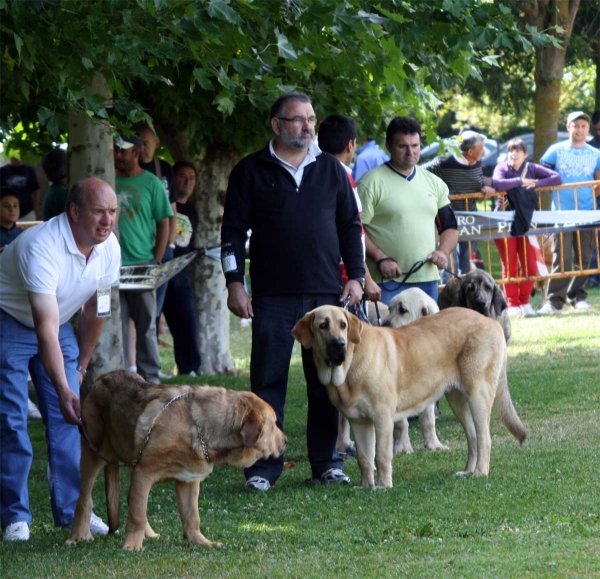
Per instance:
{"type": "Point", "coordinates": [299, 205]}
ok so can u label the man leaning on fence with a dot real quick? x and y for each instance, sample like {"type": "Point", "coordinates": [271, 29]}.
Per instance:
{"type": "Point", "coordinates": [575, 161]}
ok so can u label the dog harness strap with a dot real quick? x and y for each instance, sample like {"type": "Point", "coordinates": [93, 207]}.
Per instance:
{"type": "Point", "coordinates": [84, 433]}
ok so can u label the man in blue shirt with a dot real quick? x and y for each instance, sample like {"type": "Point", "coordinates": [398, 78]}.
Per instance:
{"type": "Point", "coordinates": [369, 157]}
{"type": "Point", "coordinates": [575, 161]}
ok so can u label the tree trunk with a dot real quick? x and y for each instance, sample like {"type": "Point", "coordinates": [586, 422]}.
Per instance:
{"type": "Point", "coordinates": [213, 168]}
{"type": "Point", "coordinates": [550, 66]}
{"type": "Point", "coordinates": [91, 155]}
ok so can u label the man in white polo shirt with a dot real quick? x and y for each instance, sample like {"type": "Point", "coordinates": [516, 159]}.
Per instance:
{"type": "Point", "coordinates": [46, 275]}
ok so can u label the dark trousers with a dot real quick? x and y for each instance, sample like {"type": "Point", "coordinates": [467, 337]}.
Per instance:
{"type": "Point", "coordinates": [561, 289]}
{"type": "Point", "coordinates": [272, 343]}
{"type": "Point", "coordinates": [180, 313]}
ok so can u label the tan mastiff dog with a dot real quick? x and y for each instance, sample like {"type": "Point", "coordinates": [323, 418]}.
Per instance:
{"type": "Point", "coordinates": [165, 433]}
{"type": "Point", "coordinates": [376, 376]}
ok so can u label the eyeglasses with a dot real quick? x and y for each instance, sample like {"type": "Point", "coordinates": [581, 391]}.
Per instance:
{"type": "Point", "coordinates": [300, 120]}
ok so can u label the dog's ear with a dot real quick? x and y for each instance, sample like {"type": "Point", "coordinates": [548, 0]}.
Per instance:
{"type": "Point", "coordinates": [302, 331]}
{"type": "Point", "coordinates": [354, 327]}
{"type": "Point", "coordinates": [449, 297]}
{"type": "Point", "coordinates": [460, 299]}
{"type": "Point", "coordinates": [498, 300]}
{"type": "Point", "coordinates": [252, 427]}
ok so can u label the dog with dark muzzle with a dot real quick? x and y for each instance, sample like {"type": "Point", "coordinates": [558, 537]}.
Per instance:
{"type": "Point", "coordinates": [477, 291]}
{"type": "Point", "coordinates": [377, 376]}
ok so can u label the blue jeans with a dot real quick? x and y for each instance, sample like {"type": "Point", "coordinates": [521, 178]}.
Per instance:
{"type": "Point", "coordinates": [389, 289]}
{"type": "Point", "coordinates": [272, 343]}
{"type": "Point", "coordinates": [18, 354]}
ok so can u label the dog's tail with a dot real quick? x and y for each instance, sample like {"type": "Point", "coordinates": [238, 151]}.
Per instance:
{"type": "Point", "coordinates": [503, 405]}
{"type": "Point", "coordinates": [112, 485]}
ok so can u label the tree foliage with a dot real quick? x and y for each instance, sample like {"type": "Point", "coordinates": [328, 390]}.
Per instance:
{"type": "Point", "coordinates": [215, 66]}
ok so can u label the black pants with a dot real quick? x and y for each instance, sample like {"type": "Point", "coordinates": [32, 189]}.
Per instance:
{"type": "Point", "coordinates": [180, 313]}
{"type": "Point", "coordinates": [272, 343]}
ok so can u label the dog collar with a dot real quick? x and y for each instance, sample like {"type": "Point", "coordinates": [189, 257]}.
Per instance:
{"type": "Point", "coordinates": [203, 444]}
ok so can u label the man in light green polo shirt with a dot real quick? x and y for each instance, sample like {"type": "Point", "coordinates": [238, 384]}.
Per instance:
{"type": "Point", "coordinates": [402, 204]}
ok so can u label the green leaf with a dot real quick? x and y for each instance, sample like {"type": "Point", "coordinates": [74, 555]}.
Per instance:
{"type": "Point", "coordinates": [200, 76]}
{"type": "Point", "coordinates": [18, 43]}
{"type": "Point", "coordinates": [87, 63]}
{"type": "Point", "coordinates": [224, 104]}
{"type": "Point", "coordinates": [44, 114]}
{"type": "Point", "coordinates": [24, 88]}
{"type": "Point", "coordinates": [286, 50]}
{"type": "Point", "coordinates": [221, 10]}
{"type": "Point", "coordinates": [53, 126]}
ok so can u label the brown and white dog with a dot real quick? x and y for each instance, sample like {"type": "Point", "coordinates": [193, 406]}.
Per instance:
{"type": "Point", "coordinates": [376, 376]}
{"type": "Point", "coordinates": [165, 433]}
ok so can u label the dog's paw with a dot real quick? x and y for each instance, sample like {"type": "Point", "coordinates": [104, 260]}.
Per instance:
{"type": "Point", "coordinates": [437, 445]}
{"type": "Point", "coordinates": [463, 473]}
{"type": "Point", "coordinates": [406, 448]}
{"type": "Point", "coordinates": [133, 545]}
{"type": "Point", "coordinates": [74, 540]}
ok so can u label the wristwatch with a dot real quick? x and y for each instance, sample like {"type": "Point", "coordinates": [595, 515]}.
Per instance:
{"type": "Point", "coordinates": [81, 369]}
{"type": "Point", "coordinates": [360, 280]}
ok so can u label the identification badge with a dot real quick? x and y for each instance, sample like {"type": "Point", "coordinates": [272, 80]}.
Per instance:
{"type": "Point", "coordinates": [228, 261]}
{"type": "Point", "coordinates": [103, 297]}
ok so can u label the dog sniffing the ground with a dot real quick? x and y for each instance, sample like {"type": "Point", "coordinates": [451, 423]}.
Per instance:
{"type": "Point", "coordinates": [165, 433]}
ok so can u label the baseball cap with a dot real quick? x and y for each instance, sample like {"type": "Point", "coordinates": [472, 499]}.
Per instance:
{"type": "Point", "coordinates": [128, 142]}
{"type": "Point", "coordinates": [578, 115]}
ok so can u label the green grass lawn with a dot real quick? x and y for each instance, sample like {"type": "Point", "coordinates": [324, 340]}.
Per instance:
{"type": "Point", "coordinates": [537, 515]}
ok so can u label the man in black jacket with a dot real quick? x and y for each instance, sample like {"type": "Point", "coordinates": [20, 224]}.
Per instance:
{"type": "Point", "coordinates": [299, 205]}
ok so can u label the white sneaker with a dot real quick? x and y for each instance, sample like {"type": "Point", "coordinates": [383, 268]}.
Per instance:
{"type": "Point", "coordinates": [258, 483]}
{"type": "Point", "coordinates": [17, 532]}
{"type": "Point", "coordinates": [547, 308]}
{"type": "Point", "coordinates": [164, 376]}
{"type": "Point", "coordinates": [33, 411]}
{"type": "Point", "coordinates": [515, 312]}
{"type": "Point", "coordinates": [528, 310]}
{"type": "Point", "coordinates": [97, 525]}
{"type": "Point", "coordinates": [581, 305]}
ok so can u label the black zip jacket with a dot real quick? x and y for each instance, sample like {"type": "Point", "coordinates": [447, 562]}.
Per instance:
{"type": "Point", "coordinates": [298, 233]}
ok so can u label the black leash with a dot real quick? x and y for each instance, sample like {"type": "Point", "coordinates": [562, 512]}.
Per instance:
{"type": "Point", "coordinates": [414, 269]}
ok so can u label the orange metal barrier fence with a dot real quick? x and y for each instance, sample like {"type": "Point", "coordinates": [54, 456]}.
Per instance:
{"type": "Point", "coordinates": [545, 241]}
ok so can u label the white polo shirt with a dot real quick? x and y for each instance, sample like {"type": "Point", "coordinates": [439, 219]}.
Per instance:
{"type": "Point", "coordinates": [45, 259]}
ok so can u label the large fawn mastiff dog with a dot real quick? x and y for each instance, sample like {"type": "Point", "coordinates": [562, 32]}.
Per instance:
{"type": "Point", "coordinates": [376, 376]}
{"type": "Point", "coordinates": [165, 433]}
